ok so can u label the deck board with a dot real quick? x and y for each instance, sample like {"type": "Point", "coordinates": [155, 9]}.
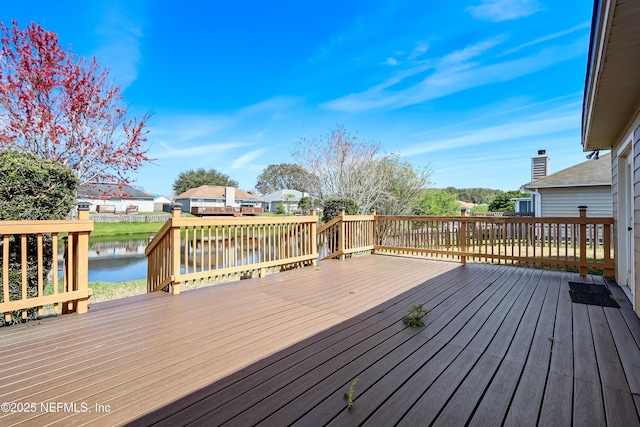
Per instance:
{"type": "Point", "coordinates": [500, 344]}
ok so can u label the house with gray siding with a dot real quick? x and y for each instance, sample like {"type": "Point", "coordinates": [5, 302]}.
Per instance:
{"type": "Point", "coordinates": [586, 184]}
{"type": "Point", "coordinates": [212, 196]}
{"type": "Point", "coordinates": [611, 121]}
{"type": "Point", "coordinates": [289, 199]}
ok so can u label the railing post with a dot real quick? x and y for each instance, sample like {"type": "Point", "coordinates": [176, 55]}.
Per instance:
{"type": "Point", "coordinates": [341, 234]}
{"type": "Point", "coordinates": [314, 237]}
{"type": "Point", "coordinates": [583, 239]}
{"type": "Point", "coordinates": [373, 232]}
{"type": "Point", "coordinates": [463, 237]}
{"type": "Point", "coordinates": [606, 243]}
{"type": "Point", "coordinates": [81, 261]}
{"type": "Point", "coordinates": [176, 211]}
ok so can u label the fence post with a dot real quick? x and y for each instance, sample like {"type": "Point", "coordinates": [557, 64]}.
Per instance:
{"type": "Point", "coordinates": [341, 234]}
{"type": "Point", "coordinates": [176, 212]}
{"type": "Point", "coordinates": [81, 260]}
{"type": "Point", "coordinates": [583, 239]}
{"type": "Point", "coordinates": [463, 237]}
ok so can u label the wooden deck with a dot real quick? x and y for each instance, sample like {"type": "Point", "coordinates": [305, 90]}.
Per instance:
{"type": "Point", "coordinates": [501, 345]}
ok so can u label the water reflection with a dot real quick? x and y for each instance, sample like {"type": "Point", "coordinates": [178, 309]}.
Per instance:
{"type": "Point", "coordinates": [116, 261]}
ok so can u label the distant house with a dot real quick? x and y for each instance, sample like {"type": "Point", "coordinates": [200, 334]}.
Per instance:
{"type": "Point", "coordinates": [217, 200]}
{"type": "Point", "coordinates": [611, 121]}
{"type": "Point", "coordinates": [159, 201]}
{"type": "Point", "coordinates": [116, 198]}
{"type": "Point", "coordinates": [289, 199]}
{"type": "Point", "coordinates": [559, 194]}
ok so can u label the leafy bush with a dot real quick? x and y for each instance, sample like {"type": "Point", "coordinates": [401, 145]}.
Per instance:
{"type": "Point", "coordinates": [32, 188]}
{"type": "Point", "coordinates": [280, 208]}
{"type": "Point", "coordinates": [305, 203]}
{"type": "Point", "coordinates": [332, 206]}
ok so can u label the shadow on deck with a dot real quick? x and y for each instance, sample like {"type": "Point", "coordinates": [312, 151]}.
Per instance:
{"type": "Point", "coordinates": [501, 344]}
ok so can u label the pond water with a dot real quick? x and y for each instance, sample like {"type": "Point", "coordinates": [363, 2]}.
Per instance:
{"type": "Point", "coordinates": [116, 260]}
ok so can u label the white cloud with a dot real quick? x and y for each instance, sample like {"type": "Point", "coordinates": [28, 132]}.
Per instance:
{"type": "Point", "coordinates": [472, 51]}
{"type": "Point", "coordinates": [119, 44]}
{"type": "Point", "coordinates": [391, 61]}
{"type": "Point", "coordinates": [454, 75]}
{"type": "Point", "coordinates": [531, 127]}
{"type": "Point", "coordinates": [193, 151]}
{"type": "Point", "coordinates": [548, 37]}
{"type": "Point", "coordinates": [504, 10]}
{"type": "Point", "coordinates": [244, 160]}
{"type": "Point", "coordinates": [420, 50]}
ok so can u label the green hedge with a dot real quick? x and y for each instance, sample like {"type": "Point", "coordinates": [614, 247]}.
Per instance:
{"type": "Point", "coordinates": [32, 188]}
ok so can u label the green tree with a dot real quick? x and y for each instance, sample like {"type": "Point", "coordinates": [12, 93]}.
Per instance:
{"type": "Point", "coordinates": [503, 203]}
{"type": "Point", "coordinates": [474, 195]}
{"type": "Point", "coordinates": [403, 183]}
{"type": "Point", "coordinates": [195, 178]}
{"type": "Point", "coordinates": [32, 188]}
{"type": "Point", "coordinates": [480, 208]}
{"type": "Point", "coordinates": [283, 176]}
{"type": "Point", "coordinates": [332, 206]}
{"type": "Point", "coordinates": [434, 201]}
{"type": "Point", "coordinates": [305, 203]}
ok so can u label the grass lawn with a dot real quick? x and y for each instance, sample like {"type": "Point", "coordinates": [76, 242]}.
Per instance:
{"type": "Point", "coordinates": [103, 229]}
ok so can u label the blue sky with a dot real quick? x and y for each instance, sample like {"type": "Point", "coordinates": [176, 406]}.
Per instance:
{"type": "Point", "coordinates": [472, 88]}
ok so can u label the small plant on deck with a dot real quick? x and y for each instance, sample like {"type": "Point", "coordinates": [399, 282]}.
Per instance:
{"type": "Point", "coordinates": [349, 396]}
{"type": "Point", "coordinates": [415, 315]}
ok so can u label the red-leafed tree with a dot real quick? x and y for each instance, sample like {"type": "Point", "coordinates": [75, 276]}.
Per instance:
{"type": "Point", "coordinates": [60, 106]}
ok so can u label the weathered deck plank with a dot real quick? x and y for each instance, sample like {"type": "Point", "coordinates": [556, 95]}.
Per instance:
{"type": "Point", "coordinates": [501, 344]}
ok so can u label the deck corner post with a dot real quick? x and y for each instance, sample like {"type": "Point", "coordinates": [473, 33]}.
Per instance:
{"type": "Point", "coordinates": [176, 212]}
{"type": "Point", "coordinates": [583, 240]}
{"type": "Point", "coordinates": [314, 237]}
{"type": "Point", "coordinates": [373, 232]}
{"type": "Point", "coordinates": [463, 237]}
{"type": "Point", "coordinates": [81, 261]}
{"type": "Point", "coordinates": [341, 234]}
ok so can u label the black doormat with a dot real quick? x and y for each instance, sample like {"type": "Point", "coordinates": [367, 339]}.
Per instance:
{"type": "Point", "coordinates": [591, 298]}
{"type": "Point", "coordinates": [589, 288]}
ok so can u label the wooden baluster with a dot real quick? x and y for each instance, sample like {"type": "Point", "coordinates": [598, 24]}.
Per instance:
{"type": "Point", "coordinates": [583, 240]}
{"type": "Point", "coordinates": [463, 237]}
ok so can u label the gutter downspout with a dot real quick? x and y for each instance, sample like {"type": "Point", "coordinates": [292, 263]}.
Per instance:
{"type": "Point", "coordinates": [536, 199]}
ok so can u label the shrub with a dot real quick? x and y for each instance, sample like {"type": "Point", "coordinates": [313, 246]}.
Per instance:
{"type": "Point", "coordinates": [332, 206]}
{"type": "Point", "coordinates": [32, 188]}
{"type": "Point", "coordinates": [280, 208]}
{"type": "Point", "coordinates": [305, 203]}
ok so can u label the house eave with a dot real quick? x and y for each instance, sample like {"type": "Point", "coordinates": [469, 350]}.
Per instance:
{"type": "Point", "coordinates": [537, 187]}
{"type": "Point", "coordinates": [612, 93]}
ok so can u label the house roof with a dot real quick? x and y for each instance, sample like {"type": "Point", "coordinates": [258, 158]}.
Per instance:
{"type": "Point", "coordinates": [612, 92]}
{"type": "Point", "coordinates": [585, 174]}
{"type": "Point", "coordinates": [111, 191]}
{"type": "Point", "coordinates": [214, 192]}
{"type": "Point", "coordinates": [277, 196]}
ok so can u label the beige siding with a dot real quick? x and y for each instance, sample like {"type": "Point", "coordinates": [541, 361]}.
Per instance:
{"type": "Point", "coordinates": [564, 202]}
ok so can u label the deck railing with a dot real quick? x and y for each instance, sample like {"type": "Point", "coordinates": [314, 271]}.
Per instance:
{"type": "Point", "coordinates": [346, 234]}
{"type": "Point", "coordinates": [31, 289]}
{"type": "Point", "coordinates": [579, 243]}
{"type": "Point", "coordinates": [194, 249]}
